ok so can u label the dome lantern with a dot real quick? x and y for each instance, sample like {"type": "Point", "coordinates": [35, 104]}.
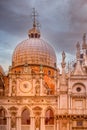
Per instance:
{"type": "Point", "coordinates": [34, 32]}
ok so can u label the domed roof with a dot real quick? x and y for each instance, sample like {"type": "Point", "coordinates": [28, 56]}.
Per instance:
{"type": "Point", "coordinates": [34, 51]}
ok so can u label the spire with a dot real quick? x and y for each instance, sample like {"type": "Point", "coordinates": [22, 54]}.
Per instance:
{"type": "Point", "coordinates": [34, 32]}
{"type": "Point", "coordinates": [84, 41]}
{"type": "Point", "coordinates": [78, 50]}
{"type": "Point", "coordinates": [63, 59]}
{"type": "Point", "coordinates": [63, 64]}
{"type": "Point", "coordinates": [78, 67]}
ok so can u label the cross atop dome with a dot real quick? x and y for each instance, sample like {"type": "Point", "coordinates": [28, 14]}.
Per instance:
{"type": "Point", "coordinates": [34, 32]}
{"type": "Point", "coordinates": [34, 15]}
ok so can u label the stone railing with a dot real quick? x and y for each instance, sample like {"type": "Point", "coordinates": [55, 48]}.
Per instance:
{"type": "Point", "coordinates": [78, 94]}
{"type": "Point", "coordinates": [72, 111]}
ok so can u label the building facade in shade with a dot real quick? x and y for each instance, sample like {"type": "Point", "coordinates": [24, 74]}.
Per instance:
{"type": "Point", "coordinates": [34, 95]}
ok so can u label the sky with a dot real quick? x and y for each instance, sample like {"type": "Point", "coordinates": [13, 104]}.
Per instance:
{"type": "Point", "coordinates": [62, 24]}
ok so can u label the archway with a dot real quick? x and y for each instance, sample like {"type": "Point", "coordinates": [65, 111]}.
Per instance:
{"type": "Point", "coordinates": [25, 119]}
{"type": "Point", "coordinates": [49, 119]}
{"type": "Point", "coordinates": [3, 119]}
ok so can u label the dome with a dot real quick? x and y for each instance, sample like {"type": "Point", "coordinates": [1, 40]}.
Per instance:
{"type": "Point", "coordinates": [34, 51]}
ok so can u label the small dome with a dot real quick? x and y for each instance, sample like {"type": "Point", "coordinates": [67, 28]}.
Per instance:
{"type": "Point", "coordinates": [34, 33]}
{"type": "Point", "coordinates": [34, 51]}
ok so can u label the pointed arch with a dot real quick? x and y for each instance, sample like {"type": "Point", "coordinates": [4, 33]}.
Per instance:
{"type": "Point", "coordinates": [25, 116]}
{"type": "Point", "coordinates": [49, 107]}
{"type": "Point", "coordinates": [3, 119]}
{"type": "Point", "coordinates": [49, 116]}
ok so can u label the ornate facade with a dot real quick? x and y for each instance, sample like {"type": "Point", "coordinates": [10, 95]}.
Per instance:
{"type": "Point", "coordinates": [34, 95]}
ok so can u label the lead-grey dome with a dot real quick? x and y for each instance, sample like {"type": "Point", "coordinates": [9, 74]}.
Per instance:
{"type": "Point", "coordinates": [34, 51]}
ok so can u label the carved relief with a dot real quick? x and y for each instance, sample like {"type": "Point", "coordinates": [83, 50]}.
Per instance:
{"type": "Point", "coordinates": [37, 112]}
{"type": "Point", "coordinates": [14, 88]}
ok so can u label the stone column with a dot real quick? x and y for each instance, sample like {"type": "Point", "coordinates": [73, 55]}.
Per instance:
{"type": "Point", "coordinates": [42, 123]}
{"type": "Point", "coordinates": [18, 123]}
{"type": "Point", "coordinates": [70, 125]}
{"type": "Point", "coordinates": [68, 128]}
{"type": "Point", "coordinates": [69, 101]}
{"type": "Point", "coordinates": [10, 84]}
{"type": "Point", "coordinates": [57, 125]}
{"type": "Point", "coordinates": [69, 104]}
{"type": "Point", "coordinates": [33, 84]}
{"type": "Point", "coordinates": [8, 123]}
{"type": "Point", "coordinates": [41, 86]}
{"type": "Point", "coordinates": [32, 125]}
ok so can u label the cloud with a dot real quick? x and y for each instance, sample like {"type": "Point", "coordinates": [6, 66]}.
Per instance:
{"type": "Point", "coordinates": [78, 16]}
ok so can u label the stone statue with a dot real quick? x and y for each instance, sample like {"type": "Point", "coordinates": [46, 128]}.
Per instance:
{"type": "Point", "coordinates": [37, 89]}
{"type": "Point", "coordinates": [63, 57]}
{"type": "Point", "coordinates": [37, 122]}
{"type": "Point", "coordinates": [13, 90]}
{"type": "Point", "coordinates": [13, 121]}
{"type": "Point", "coordinates": [78, 50]}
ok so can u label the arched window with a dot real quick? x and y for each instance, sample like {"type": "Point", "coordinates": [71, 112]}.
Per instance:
{"type": "Point", "coordinates": [36, 35]}
{"type": "Point", "coordinates": [49, 117]}
{"type": "Point", "coordinates": [25, 117]}
{"type": "Point", "coordinates": [3, 120]}
{"type": "Point", "coordinates": [32, 35]}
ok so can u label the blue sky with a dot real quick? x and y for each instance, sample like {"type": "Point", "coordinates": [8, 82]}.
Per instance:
{"type": "Point", "coordinates": [63, 23]}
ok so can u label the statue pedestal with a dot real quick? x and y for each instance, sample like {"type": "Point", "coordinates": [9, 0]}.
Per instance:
{"type": "Point", "coordinates": [37, 128]}
{"type": "Point", "coordinates": [13, 128]}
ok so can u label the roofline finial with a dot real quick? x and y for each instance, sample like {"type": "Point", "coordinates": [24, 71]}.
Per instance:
{"type": "Point", "coordinates": [84, 37]}
{"type": "Point", "coordinates": [84, 41]}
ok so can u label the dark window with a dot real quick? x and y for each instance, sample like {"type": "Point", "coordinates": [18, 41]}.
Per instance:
{"type": "Point", "coordinates": [36, 35]}
{"type": "Point", "coordinates": [79, 123]}
{"type": "Point", "coordinates": [49, 72]}
{"type": "Point", "coordinates": [2, 117]}
{"type": "Point", "coordinates": [25, 117]}
{"type": "Point", "coordinates": [49, 117]}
